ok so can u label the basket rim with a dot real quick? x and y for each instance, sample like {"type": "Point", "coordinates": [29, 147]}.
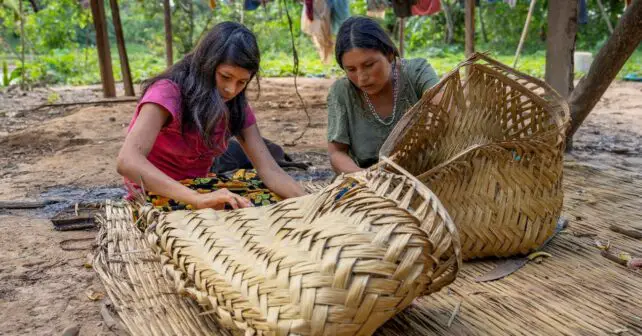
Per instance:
{"type": "Point", "coordinates": [554, 100]}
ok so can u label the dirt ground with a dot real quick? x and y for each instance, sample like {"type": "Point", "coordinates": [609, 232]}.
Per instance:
{"type": "Point", "coordinates": [69, 151]}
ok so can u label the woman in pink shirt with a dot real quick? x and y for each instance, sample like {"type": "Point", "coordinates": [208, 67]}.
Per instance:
{"type": "Point", "coordinates": [186, 116]}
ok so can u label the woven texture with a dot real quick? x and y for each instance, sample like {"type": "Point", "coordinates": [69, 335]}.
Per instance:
{"type": "Point", "coordinates": [339, 262]}
{"type": "Point", "coordinates": [492, 150]}
{"type": "Point", "coordinates": [145, 301]}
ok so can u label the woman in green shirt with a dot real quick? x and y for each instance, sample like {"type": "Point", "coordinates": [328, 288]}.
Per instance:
{"type": "Point", "coordinates": [378, 89]}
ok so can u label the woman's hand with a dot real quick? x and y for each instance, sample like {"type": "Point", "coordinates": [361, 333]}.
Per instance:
{"type": "Point", "coordinates": [218, 199]}
{"type": "Point", "coordinates": [269, 171]}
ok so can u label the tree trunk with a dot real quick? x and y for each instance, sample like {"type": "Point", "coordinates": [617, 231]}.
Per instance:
{"type": "Point", "coordinates": [470, 27]}
{"type": "Point", "coordinates": [560, 45]}
{"type": "Point", "coordinates": [168, 33]}
{"type": "Point", "coordinates": [102, 42]}
{"type": "Point", "coordinates": [450, 27]}
{"type": "Point", "coordinates": [122, 50]}
{"type": "Point", "coordinates": [626, 37]}
{"type": "Point", "coordinates": [482, 26]}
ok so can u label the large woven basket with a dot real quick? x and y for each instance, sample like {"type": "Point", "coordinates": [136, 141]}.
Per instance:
{"type": "Point", "coordinates": [492, 151]}
{"type": "Point", "coordinates": [339, 262]}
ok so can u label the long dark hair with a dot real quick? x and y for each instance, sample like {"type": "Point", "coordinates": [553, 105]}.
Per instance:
{"type": "Point", "coordinates": [365, 33]}
{"type": "Point", "coordinates": [195, 74]}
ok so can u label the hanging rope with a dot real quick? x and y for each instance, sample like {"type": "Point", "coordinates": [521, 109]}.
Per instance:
{"type": "Point", "coordinates": [295, 57]}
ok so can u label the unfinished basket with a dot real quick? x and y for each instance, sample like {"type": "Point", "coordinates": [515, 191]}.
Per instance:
{"type": "Point", "coordinates": [492, 150]}
{"type": "Point", "coordinates": [339, 262]}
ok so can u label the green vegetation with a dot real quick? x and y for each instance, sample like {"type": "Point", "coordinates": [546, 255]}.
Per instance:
{"type": "Point", "coordinates": [60, 40]}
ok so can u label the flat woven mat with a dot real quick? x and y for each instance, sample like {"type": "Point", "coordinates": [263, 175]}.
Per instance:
{"type": "Point", "coordinates": [574, 292]}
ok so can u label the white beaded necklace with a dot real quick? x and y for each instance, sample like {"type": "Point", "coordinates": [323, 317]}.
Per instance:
{"type": "Point", "coordinates": [395, 92]}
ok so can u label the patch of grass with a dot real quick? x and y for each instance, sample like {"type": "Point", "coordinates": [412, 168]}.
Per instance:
{"type": "Point", "coordinates": [80, 67]}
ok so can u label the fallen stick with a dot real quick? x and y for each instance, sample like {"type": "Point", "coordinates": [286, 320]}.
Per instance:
{"type": "Point", "coordinates": [89, 102]}
{"type": "Point", "coordinates": [27, 204]}
{"type": "Point", "coordinates": [632, 232]}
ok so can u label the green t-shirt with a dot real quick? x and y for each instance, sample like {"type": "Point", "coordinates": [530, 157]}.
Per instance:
{"type": "Point", "coordinates": [350, 122]}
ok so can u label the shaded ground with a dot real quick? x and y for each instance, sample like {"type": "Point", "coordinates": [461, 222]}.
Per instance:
{"type": "Point", "coordinates": [67, 151]}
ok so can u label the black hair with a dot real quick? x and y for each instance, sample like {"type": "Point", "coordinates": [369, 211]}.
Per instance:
{"type": "Point", "coordinates": [365, 33]}
{"type": "Point", "coordinates": [195, 74]}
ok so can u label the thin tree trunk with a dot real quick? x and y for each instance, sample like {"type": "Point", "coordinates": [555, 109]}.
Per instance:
{"type": "Point", "coordinates": [470, 27]}
{"type": "Point", "coordinates": [604, 16]}
{"type": "Point", "coordinates": [169, 55]}
{"type": "Point", "coordinates": [560, 45]}
{"type": "Point", "coordinates": [122, 50]}
{"type": "Point", "coordinates": [609, 61]}
{"type": "Point", "coordinates": [450, 27]}
{"type": "Point", "coordinates": [102, 43]}
{"type": "Point", "coordinates": [481, 22]}
{"type": "Point", "coordinates": [524, 32]}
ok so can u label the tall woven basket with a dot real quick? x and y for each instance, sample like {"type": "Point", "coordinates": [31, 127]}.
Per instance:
{"type": "Point", "coordinates": [339, 262]}
{"type": "Point", "coordinates": [491, 148]}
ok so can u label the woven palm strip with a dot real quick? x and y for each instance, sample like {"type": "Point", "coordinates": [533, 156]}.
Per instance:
{"type": "Point", "coordinates": [576, 291]}
{"type": "Point", "coordinates": [492, 151]}
{"type": "Point", "coordinates": [331, 263]}
{"type": "Point", "coordinates": [145, 301]}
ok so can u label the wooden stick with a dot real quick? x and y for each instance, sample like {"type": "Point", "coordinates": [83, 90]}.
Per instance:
{"type": "Point", "coordinates": [122, 50]}
{"type": "Point", "coordinates": [524, 32]}
{"type": "Point", "coordinates": [168, 33]}
{"type": "Point", "coordinates": [26, 204]}
{"type": "Point", "coordinates": [632, 232]}
{"type": "Point", "coordinates": [604, 16]}
{"type": "Point", "coordinates": [89, 102]}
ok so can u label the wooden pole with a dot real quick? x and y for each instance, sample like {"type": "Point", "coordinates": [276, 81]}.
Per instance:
{"type": "Point", "coordinates": [604, 16]}
{"type": "Point", "coordinates": [168, 33]}
{"type": "Point", "coordinates": [122, 50]}
{"type": "Point", "coordinates": [560, 45]}
{"type": "Point", "coordinates": [102, 42]}
{"type": "Point", "coordinates": [470, 27]}
{"type": "Point", "coordinates": [524, 32]}
{"type": "Point", "coordinates": [608, 62]}
{"type": "Point", "coordinates": [402, 26]}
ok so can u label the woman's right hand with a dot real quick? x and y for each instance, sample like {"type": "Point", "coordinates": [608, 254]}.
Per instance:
{"type": "Point", "coordinates": [218, 199]}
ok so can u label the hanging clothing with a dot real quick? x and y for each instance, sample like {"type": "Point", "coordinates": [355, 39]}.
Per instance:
{"type": "Point", "coordinates": [426, 7]}
{"type": "Point", "coordinates": [340, 12]}
{"type": "Point", "coordinates": [582, 12]}
{"type": "Point", "coordinates": [403, 8]}
{"type": "Point", "coordinates": [377, 8]}
{"type": "Point", "coordinates": [309, 9]}
{"type": "Point", "coordinates": [320, 28]}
